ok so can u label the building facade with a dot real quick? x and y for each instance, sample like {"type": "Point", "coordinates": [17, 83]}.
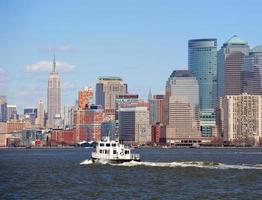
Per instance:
{"type": "Point", "coordinates": [87, 123]}
{"type": "Point", "coordinates": [107, 89]}
{"type": "Point", "coordinates": [202, 62]}
{"type": "Point", "coordinates": [3, 109]}
{"type": "Point", "coordinates": [156, 108]}
{"type": "Point", "coordinates": [182, 101]}
{"type": "Point", "coordinates": [231, 58]}
{"type": "Point", "coordinates": [53, 96]}
{"type": "Point", "coordinates": [252, 73]}
{"type": "Point", "coordinates": [85, 97]}
{"type": "Point", "coordinates": [134, 127]}
{"type": "Point", "coordinates": [242, 119]}
{"type": "Point", "coordinates": [40, 120]}
{"type": "Point", "coordinates": [11, 112]}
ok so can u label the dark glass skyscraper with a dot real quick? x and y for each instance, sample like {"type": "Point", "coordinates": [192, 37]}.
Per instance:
{"type": "Point", "coordinates": [202, 62]}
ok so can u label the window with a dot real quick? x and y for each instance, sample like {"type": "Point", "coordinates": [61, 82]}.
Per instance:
{"type": "Point", "coordinates": [126, 152]}
{"type": "Point", "coordinates": [108, 144]}
{"type": "Point", "coordinates": [101, 144]}
{"type": "Point", "coordinates": [114, 151]}
{"type": "Point", "coordinates": [101, 151]}
{"type": "Point", "coordinates": [113, 145]}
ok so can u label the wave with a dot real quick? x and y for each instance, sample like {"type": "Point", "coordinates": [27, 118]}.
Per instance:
{"type": "Point", "coordinates": [196, 164]}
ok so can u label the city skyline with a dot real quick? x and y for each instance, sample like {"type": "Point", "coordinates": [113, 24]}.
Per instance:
{"type": "Point", "coordinates": [90, 44]}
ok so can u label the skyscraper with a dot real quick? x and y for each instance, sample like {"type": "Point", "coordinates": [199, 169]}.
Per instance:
{"type": "Point", "coordinates": [231, 59]}
{"type": "Point", "coordinates": [53, 96]}
{"type": "Point", "coordinates": [202, 62]}
{"type": "Point", "coordinates": [252, 73]}
{"type": "Point", "coordinates": [182, 103]}
{"type": "Point", "coordinates": [106, 90]}
{"type": "Point", "coordinates": [3, 109]}
{"type": "Point", "coordinates": [40, 120]}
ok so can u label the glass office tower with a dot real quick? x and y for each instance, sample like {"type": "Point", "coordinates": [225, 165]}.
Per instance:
{"type": "Point", "coordinates": [202, 62]}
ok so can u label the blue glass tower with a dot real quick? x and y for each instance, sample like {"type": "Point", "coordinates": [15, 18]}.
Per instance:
{"type": "Point", "coordinates": [202, 62]}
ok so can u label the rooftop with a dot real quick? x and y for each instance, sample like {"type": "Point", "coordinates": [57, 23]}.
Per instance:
{"type": "Point", "coordinates": [236, 40]}
{"type": "Point", "coordinates": [256, 49]}
{"type": "Point", "coordinates": [181, 73]}
{"type": "Point", "coordinates": [110, 78]}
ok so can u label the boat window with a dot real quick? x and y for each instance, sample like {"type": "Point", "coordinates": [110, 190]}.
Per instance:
{"type": "Point", "coordinates": [108, 144]}
{"type": "Point", "coordinates": [113, 145]}
{"type": "Point", "coordinates": [114, 151]}
{"type": "Point", "coordinates": [101, 144]}
{"type": "Point", "coordinates": [126, 152]}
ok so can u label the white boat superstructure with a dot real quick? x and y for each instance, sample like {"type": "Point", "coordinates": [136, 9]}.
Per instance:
{"type": "Point", "coordinates": [114, 152]}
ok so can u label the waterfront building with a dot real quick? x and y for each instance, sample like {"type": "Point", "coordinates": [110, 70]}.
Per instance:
{"type": "Point", "coordinates": [242, 119]}
{"type": "Point", "coordinates": [3, 109]}
{"type": "Point", "coordinates": [208, 125]}
{"type": "Point", "coordinates": [182, 101]}
{"type": "Point", "coordinates": [202, 62]}
{"type": "Point", "coordinates": [252, 73]}
{"type": "Point", "coordinates": [107, 89]}
{"type": "Point", "coordinates": [87, 123]}
{"type": "Point", "coordinates": [156, 106]}
{"type": "Point", "coordinates": [134, 126]}
{"type": "Point", "coordinates": [40, 120]}
{"type": "Point", "coordinates": [85, 97]}
{"type": "Point", "coordinates": [53, 96]}
{"type": "Point", "coordinates": [231, 59]}
{"type": "Point", "coordinates": [11, 112]}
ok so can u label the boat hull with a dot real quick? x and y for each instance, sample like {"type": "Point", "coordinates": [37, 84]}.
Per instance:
{"type": "Point", "coordinates": [114, 161]}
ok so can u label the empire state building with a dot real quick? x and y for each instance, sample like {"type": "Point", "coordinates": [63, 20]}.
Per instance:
{"type": "Point", "coordinates": [53, 96]}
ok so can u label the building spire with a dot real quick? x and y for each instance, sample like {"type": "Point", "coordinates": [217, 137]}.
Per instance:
{"type": "Point", "coordinates": [54, 64]}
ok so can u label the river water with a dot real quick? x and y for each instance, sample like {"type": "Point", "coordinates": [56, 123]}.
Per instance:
{"type": "Point", "coordinates": [202, 173]}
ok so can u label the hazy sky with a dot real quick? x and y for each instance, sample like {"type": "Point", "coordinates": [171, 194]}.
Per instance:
{"type": "Point", "coordinates": [140, 41]}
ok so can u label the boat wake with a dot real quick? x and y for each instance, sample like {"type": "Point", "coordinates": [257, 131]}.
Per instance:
{"type": "Point", "coordinates": [196, 164]}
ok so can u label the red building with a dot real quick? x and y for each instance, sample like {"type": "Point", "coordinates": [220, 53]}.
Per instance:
{"type": "Point", "coordinates": [63, 137]}
{"type": "Point", "coordinates": [85, 97]}
{"type": "Point", "coordinates": [158, 133]}
{"type": "Point", "coordinates": [87, 124]}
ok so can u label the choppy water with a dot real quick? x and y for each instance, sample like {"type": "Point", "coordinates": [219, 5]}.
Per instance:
{"type": "Point", "coordinates": [162, 174]}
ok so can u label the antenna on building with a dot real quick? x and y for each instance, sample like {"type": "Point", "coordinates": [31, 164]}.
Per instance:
{"type": "Point", "coordinates": [54, 63]}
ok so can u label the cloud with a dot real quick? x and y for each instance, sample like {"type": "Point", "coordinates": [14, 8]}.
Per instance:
{"type": "Point", "coordinates": [62, 48]}
{"type": "Point", "coordinates": [46, 66]}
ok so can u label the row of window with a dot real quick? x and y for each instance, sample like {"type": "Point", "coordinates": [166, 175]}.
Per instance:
{"type": "Point", "coordinates": [105, 151]}
{"type": "Point", "coordinates": [107, 145]}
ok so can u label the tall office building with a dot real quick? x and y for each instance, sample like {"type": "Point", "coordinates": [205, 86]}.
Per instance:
{"type": "Point", "coordinates": [202, 62]}
{"type": "Point", "coordinates": [242, 118]}
{"type": "Point", "coordinates": [182, 101]}
{"type": "Point", "coordinates": [134, 127]}
{"type": "Point", "coordinates": [231, 59]}
{"type": "Point", "coordinates": [3, 109]}
{"type": "Point", "coordinates": [11, 112]}
{"type": "Point", "coordinates": [252, 73]}
{"type": "Point", "coordinates": [106, 90]}
{"type": "Point", "coordinates": [53, 96]}
{"type": "Point", "coordinates": [40, 120]}
{"type": "Point", "coordinates": [156, 106]}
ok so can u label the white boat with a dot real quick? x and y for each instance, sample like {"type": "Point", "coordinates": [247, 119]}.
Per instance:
{"type": "Point", "coordinates": [114, 152]}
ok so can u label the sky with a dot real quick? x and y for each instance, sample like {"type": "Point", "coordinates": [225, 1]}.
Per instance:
{"type": "Point", "coordinates": [142, 41]}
